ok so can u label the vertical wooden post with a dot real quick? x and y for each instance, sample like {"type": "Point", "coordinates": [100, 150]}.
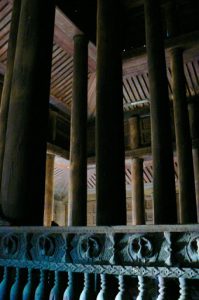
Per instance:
{"type": "Point", "coordinates": [29, 288]}
{"type": "Point", "coordinates": [172, 21]}
{"type": "Point", "coordinates": [187, 200]}
{"type": "Point", "coordinates": [16, 290]}
{"type": "Point", "coordinates": [195, 153]}
{"type": "Point", "coordinates": [165, 211]}
{"type": "Point", "coordinates": [49, 189]}
{"type": "Point", "coordinates": [134, 132]}
{"type": "Point", "coordinates": [1, 88]}
{"type": "Point", "coordinates": [5, 96]}
{"type": "Point", "coordinates": [110, 184]}
{"type": "Point", "coordinates": [6, 283]}
{"type": "Point", "coordinates": [78, 147]}
{"type": "Point", "coordinates": [77, 204]}
{"type": "Point", "coordinates": [23, 178]}
{"type": "Point", "coordinates": [194, 127]}
{"type": "Point", "coordinates": [138, 213]}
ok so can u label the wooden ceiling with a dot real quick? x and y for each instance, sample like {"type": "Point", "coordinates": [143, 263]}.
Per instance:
{"type": "Point", "coordinates": [135, 74]}
{"type": "Point", "coordinates": [83, 14]}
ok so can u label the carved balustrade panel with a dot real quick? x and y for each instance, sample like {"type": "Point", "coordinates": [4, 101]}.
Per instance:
{"type": "Point", "coordinates": [137, 262]}
{"type": "Point", "coordinates": [166, 251]}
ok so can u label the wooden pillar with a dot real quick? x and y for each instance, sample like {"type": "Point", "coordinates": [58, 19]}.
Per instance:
{"type": "Point", "coordinates": [195, 153]}
{"type": "Point", "coordinates": [23, 178]}
{"type": "Point", "coordinates": [138, 212]}
{"type": "Point", "coordinates": [163, 170]}
{"type": "Point", "coordinates": [187, 200]}
{"type": "Point", "coordinates": [110, 185]}
{"type": "Point", "coordinates": [1, 88]}
{"type": "Point", "coordinates": [134, 132]}
{"type": "Point", "coordinates": [78, 147]}
{"type": "Point", "coordinates": [172, 20]}
{"type": "Point", "coordinates": [59, 216]}
{"type": "Point", "coordinates": [49, 190]}
{"type": "Point", "coordinates": [5, 96]}
{"type": "Point", "coordinates": [194, 127]}
{"type": "Point", "coordinates": [77, 203]}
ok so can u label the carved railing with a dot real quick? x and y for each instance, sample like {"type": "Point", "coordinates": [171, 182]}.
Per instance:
{"type": "Point", "coordinates": [141, 262]}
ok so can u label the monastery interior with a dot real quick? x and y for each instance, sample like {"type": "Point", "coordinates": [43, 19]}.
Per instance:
{"type": "Point", "coordinates": [99, 149]}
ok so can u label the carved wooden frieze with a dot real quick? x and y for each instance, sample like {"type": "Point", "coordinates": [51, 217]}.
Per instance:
{"type": "Point", "coordinates": [103, 250]}
{"type": "Point", "coordinates": [92, 248]}
{"type": "Point", "coordinates": [13, 245]}
{"type": "Point", "coordinates": [145, 249]}
{"type": "Point", "coordinates": [187, 245]}
{"type": "Point", "coordinates": [48, 247]}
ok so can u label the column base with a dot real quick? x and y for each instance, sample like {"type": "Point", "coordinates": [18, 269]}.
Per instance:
{"type": "Point", "coordinates": [3, 220]}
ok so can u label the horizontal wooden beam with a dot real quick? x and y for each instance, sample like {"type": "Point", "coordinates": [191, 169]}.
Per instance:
{"type": "Point", "coordinates": [137, 112]}
{"type": "Point", "coordinates": [135, 60]}
{"type": "Point", "coordinates": [99, 230]}
{"type": "Point", "coordinates": [55, 150]}
{"type": "Point", "coordinates": [144, 152]}
{"type": "Point", "coordinates": [60, 106]}
{"type": "Point", "coordinates": [64, 32]}
{"type": "Point", "coordinates": [139, 152]}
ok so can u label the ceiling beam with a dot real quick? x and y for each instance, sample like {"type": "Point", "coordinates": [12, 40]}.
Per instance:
{"type": "Point", "coordinates": [64, 32]}
{"type": "Point", "coordinates": [56, 150]}
{"type": "Point", "coordinates": [135, 60]}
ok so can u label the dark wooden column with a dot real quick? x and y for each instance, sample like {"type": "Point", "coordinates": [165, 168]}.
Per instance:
{"type": "Point", "coordinates": [162, 152]}
{"type": "Point", "coordinates": [138, 215]}
{"type": "Point", "coordinates": [195, 153]}
{"type": "Point", "coordinates": [187, 200]}
{"type": "Point", "coordinates": [110, 185]}
{"type": "Point", "coordinates": [78, 141]}
{"type": "Point", "coordinates": [77, 206]}
{"type": "Point", "coordinates": [23, 178]}
{"type": "Point", "coordinates": [172, 20]}
{"type": "Point", "coordinates": [1, 87]}
{"type": "Point", "coordinates": [5, 97]}
{"type": "Point", "coordinates": [194, 127]}
{"type": "Point", "coordinates": [134, 132]}
{"type": "Point", "coordinates": [49, 190]}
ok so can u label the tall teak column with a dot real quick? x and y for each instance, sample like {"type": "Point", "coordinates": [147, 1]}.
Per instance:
{"type": "Point", "coordinates": [187, 199]}
{"type": "Point", "coordinates": [162, 152]}
{"type": "Point", "coordinates": [194, 128]}
{"type": "Point", "coordinates": [78, 142]}
{"type": "Point", "coordinates": [5, 97]}
{"type": "Point", "coordinates": [134, 132]}
{"type": "Point", "coordinates": [110, 186]}
{"type": "Point", "coordinates": [49, 190]}
{"type": "Point", "coordinates": [23, 178]}
{"type": "Point", "coordinates": [138, 217]}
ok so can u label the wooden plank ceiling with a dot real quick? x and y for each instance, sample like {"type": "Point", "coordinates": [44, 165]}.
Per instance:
{"type": "Point", "coordinates": [135, 75]}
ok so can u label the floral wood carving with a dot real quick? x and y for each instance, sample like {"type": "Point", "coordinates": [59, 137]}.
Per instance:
{"type": "Point", "coordinates": [48, 247]}
{"type": "Point", "coordinates": [13, 246]}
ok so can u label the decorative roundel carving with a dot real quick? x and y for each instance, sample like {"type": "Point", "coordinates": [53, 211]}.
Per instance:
{"type": "Point", "coordinates": [48, 247]}
{"type": "Point", "coordinates": [89, 247]}
{"type": "Point", "coordinates": [12, 246]}
{"type": "Point", "coordinates": [140, 248]}
{"type": "Point", "coordinates": [193, 249]}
